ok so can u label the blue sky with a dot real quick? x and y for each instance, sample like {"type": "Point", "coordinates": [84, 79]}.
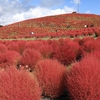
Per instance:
{"type": "Point", "coordinates": [12, 11]}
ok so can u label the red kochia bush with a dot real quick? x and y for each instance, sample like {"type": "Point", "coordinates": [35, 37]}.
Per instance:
{"type": "Point", "coordinates": [89, 46]}
{"type": "Point", "coordinates": [3, 48]}
{"type": "Point", "coordinates": [30, 57]}
{"type": "Point", "coordinates": [50, 74]}
{"type": "Point", "coordinates": [83, 80]}
{"type": "Point", "coordinates": [18, 85]}
{"type": "Point", "coordinates": [13, 46]}
{"type": "Point", "coordinates": [21, 44]}
{"type": "Point", "coordinates": [9, 58]}
{"type": "Point", "coordinates": [64, 54]}
{"type": "Point", "coordinates": [46, 51]}
{"type": "Point", "coordinates": [33, 44]}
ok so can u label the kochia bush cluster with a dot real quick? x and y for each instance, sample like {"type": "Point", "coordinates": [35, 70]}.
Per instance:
{"type": "Point", "coordinates": [46, 60]}
{"type": "Point", "coordinates": [83, 79]}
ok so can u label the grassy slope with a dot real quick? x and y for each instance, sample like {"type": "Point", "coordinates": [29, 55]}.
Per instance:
{"type": "Point", "coordinates": [49, 24]}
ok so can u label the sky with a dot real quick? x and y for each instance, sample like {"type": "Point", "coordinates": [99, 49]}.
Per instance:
{"type": "Point", "coordinates": [12, 11]}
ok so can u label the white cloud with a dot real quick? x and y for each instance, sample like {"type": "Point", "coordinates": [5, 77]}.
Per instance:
{"type": "Point", "coordinates": [87, 12]}
{"type": "Point", "coordinates": [33, 13]}
{"type": "Point", "coordinates": [14, 10]}
{"type": "Point", "coordinates": [68, 9]}
{"type": "Point", "coordinates": [76, 1]}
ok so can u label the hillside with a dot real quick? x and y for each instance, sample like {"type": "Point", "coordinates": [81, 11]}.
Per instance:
{"type": "Point", "coordinates": [52, 26]}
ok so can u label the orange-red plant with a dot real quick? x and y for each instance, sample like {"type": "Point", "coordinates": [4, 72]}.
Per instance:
{"type": "Point", "coordinates": [83, 79]}
{"type": "Point", "coordinates": [18, 85]}
{"type": "Point", "coordinates": [9, 58]}
{"type": "Point", "coordinates": [30, 57]}
{"type": "Point", "coordinates": [50, 74]}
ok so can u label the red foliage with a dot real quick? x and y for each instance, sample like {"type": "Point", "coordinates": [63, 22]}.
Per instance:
{"type": "Point", "coordinates": [46, 51]}
{"type": "Point", "coordinates": [83, 40]}
{"type": "Point", "coordinates": [50, 74]}
{"type": "Point", "coordinates": [30, 57]}
{"type": "Point", "coordinates": [89, 46]}
{"type": "Point", "coordinates": [13, 46]}
{"type": "Point", "coordinates": [97, 32]}
{"type": "Point", "coordinates": [65, 54]}
{"type": "Point", "coordinates": [76, 40]}
{"type": "Point", "coordinates": [75, 47]}
{"type": "Point", "coordinates": [3, 48]}
{"type": "Point", "coordinates": [1, 57]}
{"type": "Point", "coordinates": [83, 79]}
{"type": "Point", "coordinates": [96, 53]}
{"type": "Point", "coordinates": [9, 58]}
{"type": "Point", "coordinates": [61, 41]}
{"type": "Point", "coordinates": [18, 85]}
{"type": "Point", "coordinates": [21, 44]}
{"type": "Point", "coordinates": [33, 44]}
{"type": "Point", "coordinates": [97, 45]}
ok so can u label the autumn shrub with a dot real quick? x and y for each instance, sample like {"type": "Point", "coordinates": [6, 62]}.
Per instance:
{"type": "Point", "coordinates": [83, 79]}
{"type": "Point", "coordinates": [3, 48]}
{"type": "Point", "coordinates": [83, 40]}
{"type": "Point", "coordinates": [96, 53]}
{"type": "Point", "coordinates": [7, 42]}
{"type": "Point", "coordinates": [61, 41]}
{"type": "Point", "coordinates": [97, 32]}
{"type": "Point", "coordinates": [21, 44]}
{"type": "Point", "coordinates": [64, 54]}
{"type": "Point", "coordinates": [33, 44]}
{"type": "Point", "coordinates": [30, 57]}
{"type": "Point", "coordinates": [77, 40]}
{"type": "Point", "coordinates": [85, 33]}
{"type": "Point", "coordinates": [55, 45]}
{"type": "Point", "coordinates": [50, 74]}
{"type": "Point", "coordinates": [76, 48]}
{"type": "Point", "coordinates": [89, 46]}
{"type": "Point", "coordinates": [1, 57]}
{"type": "Point", "coordinates": [97, 45]}
{"type": "Point", "coordinates": [49, 41]}
{"type": "Point", "coordinates": [45, 42]}
{"type": "Point", "coordinates": [9, 58]}
{"type": "Point", "coordinates": [98, 38]}
{"type": "Point", "coordinates": [13, 46]}
{"type": "Point", "coordinates": [46, 51]}
{"type": "Point", "coordinates": [18, 85]}
{"type": "Point", "coordinates": [66, 41]}
{"type": "Point", "coordinates": [91, 32]}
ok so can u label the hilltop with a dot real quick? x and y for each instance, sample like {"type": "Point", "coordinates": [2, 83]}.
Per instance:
{"type": "Point", "coordinates": [59, 25]}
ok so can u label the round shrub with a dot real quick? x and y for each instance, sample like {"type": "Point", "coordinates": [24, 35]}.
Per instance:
{"type": "Point", "coordinates": [50, 74]}
{"type": "Point", "coordinates": [30, 57]}
{"type": "Point", "coordinates": [83, 79]}
{"type": "Point", "coordinates": [64, 54]}
{"type": "Point", "coordinates": [18, 85]}
{"type": "Point", "coordinates": [46, 51]}
{"type": "Point", "coordinates": [9, 58]}
{"type": "Point", "coordinates": [3, 48]}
